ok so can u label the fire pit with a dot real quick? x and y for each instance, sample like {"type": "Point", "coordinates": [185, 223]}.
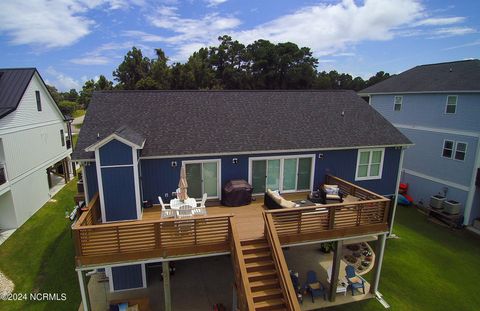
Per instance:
{"type": "Point", "coordinates": [359, 255]}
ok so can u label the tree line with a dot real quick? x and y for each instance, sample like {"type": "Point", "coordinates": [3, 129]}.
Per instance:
{"type": "Point", "coordinates": [230, 65]}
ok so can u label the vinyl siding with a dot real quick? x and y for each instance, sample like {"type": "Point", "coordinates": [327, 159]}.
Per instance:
{"type": "Point", "coordinates": [115, 153]}
{"type": "Point", "coordinates": [158, 177]}
{"type": "Point", "coordinates": [429, 110]}
{"type": "Point", "coordinates": [119, 193]}
{"type": "Point", "coordinates": [91, 177]}
{"type": "Point", "coordinates": [8, 219]}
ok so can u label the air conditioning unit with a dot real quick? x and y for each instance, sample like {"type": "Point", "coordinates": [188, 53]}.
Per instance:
{"type": "Point", "coordinates": [451, 207]}
{"type": "Point", "coordinates": [436, 201]}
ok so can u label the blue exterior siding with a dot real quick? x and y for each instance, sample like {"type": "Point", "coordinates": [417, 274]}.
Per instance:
{"type": "Point", "coordinates": [476, 205]}
{"type": "Point", "coordinates": [426, 156]}
{"type": "Point", "coordinates": [158, 177]}
{"type": "Point", "coordinates": [115, 153]}
{"type": "Point", "coordinates": [429, 110]}
{"type": "Point", "coordinates": [127, 277]}
{"type": "Point", "coordinates": [91, 179]}
{"type": "Point", "coordinates": [119, 193]}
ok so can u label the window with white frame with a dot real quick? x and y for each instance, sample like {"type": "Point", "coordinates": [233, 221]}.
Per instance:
{"type": "Point", "coordinates": [451, 107]}
{"type": "Point", "coordinates": [460, 151]}
{"type": "Point", "coordinates": [369, 164]}
{"type": "Point", "coordinates": [397, 103]}
{"type": "Point", "coordinates": [448, 148]}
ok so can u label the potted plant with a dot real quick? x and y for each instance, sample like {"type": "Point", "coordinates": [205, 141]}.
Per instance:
{"type": "Point", "coordinates": [326, 247]}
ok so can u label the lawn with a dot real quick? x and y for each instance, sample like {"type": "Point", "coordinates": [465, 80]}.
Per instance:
{"type": "Point", "coordinates": [428, 268]}
{"type": "Point", "coordinates": [39, 257]}
{"type": "Point", "coordinates": [78, 113]}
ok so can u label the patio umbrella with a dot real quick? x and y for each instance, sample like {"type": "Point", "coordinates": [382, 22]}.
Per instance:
{"type": "Point", "coordinates": [182, 185]}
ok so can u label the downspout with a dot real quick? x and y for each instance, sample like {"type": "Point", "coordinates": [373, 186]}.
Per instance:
{"type": "Point", "coordinates": [395, 200]}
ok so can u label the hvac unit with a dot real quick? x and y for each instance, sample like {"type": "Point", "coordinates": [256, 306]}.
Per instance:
{"type": "Point", "coordinates": [451, 207]}
{"type": "Point", "coordinates": [436, 201]}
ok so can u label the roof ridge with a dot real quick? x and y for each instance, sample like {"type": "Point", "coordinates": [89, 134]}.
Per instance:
{"type": "Point", "coordinates": [450, 62]}
{"type": "Point", "coordinates": [227, 91]}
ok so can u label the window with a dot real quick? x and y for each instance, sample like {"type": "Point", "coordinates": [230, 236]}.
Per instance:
{"type": "Point", "coordinates": [460, 151]}
{"type": "Point", "coordinates": [286, 174]}
{"type": "Point", "coordinates": [447, 149]}
{"type": "Point", "coordinates": [369, 164]}
{"type": "Point", "coordinates": [62, 137]}
{"type": "Point", "coordinates": [451, 107]}
{"type": "Point", "coordinates": [203, 176]}
{"type": "Point", "coordinates": [39, 102]}
{"type": "Point", "coordinates": [397, 103]}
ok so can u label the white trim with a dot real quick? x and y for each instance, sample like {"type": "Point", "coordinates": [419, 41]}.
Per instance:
{"type": "Point", "coordinates": [118, 165]}
{"type": "Point", "coordinates": [282, 158]}
{"type": "Point", "coordinates": [437, 130]}
{"type": "Point", "coordinates": [83, 293]}
{"type": "Point", "coordinates": [334, 240]}
{"type": "Point", "coordinates": [395, 102]}
{"type": "Point", "coordinates": [395, 202]}
{"type": "Point", "coordinates": [446, 105]}
{"type": "Point", "coordinates": [471, 192]}
{"type": "Point", "coordinates": [418, 92]}
{"type": "Point", "coordinates": [268, 152]}
{"type": "Point", "coordinates": [111, 137]}
{"type": "Point", "coordinates": [14, 129]}
{"type": "Point", "coordinates": [85, 184]}
{"type": "Point", "coordinates": [380, 172]}
{"type": "Point", "coordinates": [100, 185]}
{"type": "Point", "coordinates": [443, 148]}
{"type": "Point", "coordinates": [437, 180]}
{"type": "Point", "coordinates": [136, 184]}
{"type": "Point", "coordinates": [219, 174]}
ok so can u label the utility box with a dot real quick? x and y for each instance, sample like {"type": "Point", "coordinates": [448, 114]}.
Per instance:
{"type": "Point", "coordinates": [451, 207]}
{"type": "Point", "coordinates": [436, 201]}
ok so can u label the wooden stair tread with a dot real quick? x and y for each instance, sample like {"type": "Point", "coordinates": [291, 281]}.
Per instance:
{"type": "Point", "coordinates": [254, 247]}
{"type": "Point", "coordinates": [269, 304]}
{"type": "Point", "coordinates": [264, 282]}
{"type": "Point", "coordinates": [267, 292]}
{"type": "Point", "coordinates": [262, 273]}
{"type": "Point", "coordinates": [254, 241]}
{"type": "Point", "coordinates": [257, 256]}
{"type": "Point", "coordinates": [260, 263]}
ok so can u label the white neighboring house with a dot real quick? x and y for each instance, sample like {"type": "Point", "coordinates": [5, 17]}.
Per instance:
{"type": "Point", "coordinates": [34, 146]}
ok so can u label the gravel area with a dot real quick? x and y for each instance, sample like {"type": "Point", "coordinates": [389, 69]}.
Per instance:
{"type": "Point", "coordinates": [6, 286]}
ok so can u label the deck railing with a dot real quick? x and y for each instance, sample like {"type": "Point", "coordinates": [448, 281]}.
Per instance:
{"type": "Point", "coordinates": [288, 292]}
{"type": "Point", "coordinates": [3, 174]}
{"type": "Point", "coordinates": [142, 239]}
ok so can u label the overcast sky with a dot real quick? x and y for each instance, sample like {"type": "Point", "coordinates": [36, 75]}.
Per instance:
{"type": "Point", "coordinates": [70, 41]}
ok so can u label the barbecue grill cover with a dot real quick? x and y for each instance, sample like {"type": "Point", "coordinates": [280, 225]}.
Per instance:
{"type": "Point", "coordinates": [237, 192]}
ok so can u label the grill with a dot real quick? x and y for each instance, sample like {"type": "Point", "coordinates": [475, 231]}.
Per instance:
{"type": "Point", "coordinates": [237, 192]}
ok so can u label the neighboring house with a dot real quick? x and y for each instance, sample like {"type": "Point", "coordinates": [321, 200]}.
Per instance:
{"type": "Point", "coordinates": [133, 144]}
{"type": "Point", "coordinates": [437, 107]}
{"type": "Point", "coordinates": [33, 145]}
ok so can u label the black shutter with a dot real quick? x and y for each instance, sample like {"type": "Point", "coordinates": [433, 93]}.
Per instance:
{"type": "Point", "coordinates": [39, 103]}
{"type": "Point", "coordinates": [62, 137]}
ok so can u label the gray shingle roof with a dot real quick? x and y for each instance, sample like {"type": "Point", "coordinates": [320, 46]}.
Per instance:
{"type": "Point", "coordinates": [13, 83]}
{"type": "Point", "coordinates": [216, 122]}
{"type": "Point", "coordinates": [443, 77]}
{"type": "Point", "coordinates": [130, 135]}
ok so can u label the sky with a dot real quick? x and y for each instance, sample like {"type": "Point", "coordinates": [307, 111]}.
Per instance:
{"type": "Point", "coordinates": [70, 41]}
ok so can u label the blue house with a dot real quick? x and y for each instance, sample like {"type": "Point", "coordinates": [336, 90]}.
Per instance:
{"type": "Point", "coordinates": [437, 107]}
{"type": "Point", "coordinates": [133, 144]}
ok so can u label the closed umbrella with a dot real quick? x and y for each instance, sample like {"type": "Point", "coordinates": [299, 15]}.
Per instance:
{"type": "Point", "coordinates": [182, 185]}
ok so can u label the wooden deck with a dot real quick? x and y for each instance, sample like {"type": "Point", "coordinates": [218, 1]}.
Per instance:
{"type": "Point", "coordinates": [153, 237]}
{"type": "Point", "coordinates": [248, 218]}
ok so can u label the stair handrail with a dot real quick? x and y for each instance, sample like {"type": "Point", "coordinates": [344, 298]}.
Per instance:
{"type": "Point", "coordinates": [281, 266]}
{"type": "Point", "coordinates": [243, 285]}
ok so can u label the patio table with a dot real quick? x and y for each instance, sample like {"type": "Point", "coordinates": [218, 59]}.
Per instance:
{"type": "Point", "coordinates": [176, 203]}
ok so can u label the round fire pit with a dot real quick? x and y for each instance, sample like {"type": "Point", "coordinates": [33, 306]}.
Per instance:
{"type": "Point", "coordinates": [359, 255]}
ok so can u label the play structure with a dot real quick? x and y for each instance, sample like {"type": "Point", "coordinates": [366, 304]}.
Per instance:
{"type": "Point", "coordinates": [403, 197]}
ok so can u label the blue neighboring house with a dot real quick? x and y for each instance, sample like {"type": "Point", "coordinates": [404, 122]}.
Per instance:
{"type": "Point", "coordinates": [437, 106]}
{"type": "Point", "coordinates": [133, 144]}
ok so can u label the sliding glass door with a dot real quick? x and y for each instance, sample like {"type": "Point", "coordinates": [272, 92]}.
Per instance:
{"type": "Point", "coordinates": [286, 174]}
{"type": "Point", "coordinates": [202, 177]}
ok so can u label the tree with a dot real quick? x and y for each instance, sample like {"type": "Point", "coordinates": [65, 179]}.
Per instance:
{"type": "Point", "coordinates": [71, 95]}
{"type": "Point", "coordinates": [134, 68]}
{"type": "Point", "coordinates": [160, 72]}
{"type": "Point", "coordinates": [55, 94]}
{"type": "Point", "coordinates": [103, 84]}
{"type": "Point", "coordinates": [86, 93]}
{"type": "Point", "coordinates": [67, 107]}
{"type": "Point", "coordinates": [378, 77]}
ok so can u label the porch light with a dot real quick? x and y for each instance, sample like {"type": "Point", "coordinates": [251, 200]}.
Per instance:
{"type": "Point", "coordinates": [174, 163]}
{"type": "Point", "coordinates": [235, 160]}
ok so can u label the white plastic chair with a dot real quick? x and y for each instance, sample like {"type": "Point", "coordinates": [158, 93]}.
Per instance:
{"type": "Point", "coordinates": [166, 212]}
{"type": "Point", "coordinates": [199, 211]}
{"type": "Point", "coordinates": [184, 211]}
{"type": "Point", "coordinates": [203, 201]}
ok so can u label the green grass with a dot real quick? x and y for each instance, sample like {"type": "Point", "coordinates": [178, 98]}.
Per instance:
{"type": "Point", "coordinates": [428, 268]}
{"type": "Point", "coordinates": [74, 139]}
{"type": "Point", "coordinates": [78, 113]}
{"type": "Point", "coordinates": [78, 126]}
{"type": "Point", "coordinates": [39, 257]}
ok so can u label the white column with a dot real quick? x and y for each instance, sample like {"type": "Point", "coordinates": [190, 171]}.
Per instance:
{"type": "Point", "coordinates": [84, 290]}
{"type": "Point", "coordinates": [395, 202]}
{"type": "Point", "coordinates": [380, 249]}
{"type": "Point", "coordinates": [166, 285]}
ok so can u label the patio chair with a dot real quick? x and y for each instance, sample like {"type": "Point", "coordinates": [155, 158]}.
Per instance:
{"type": "Point", "coordinates": [354, 281]}
{"type": "Point", "coordinates": [202, 202]}
{"type": "Point", "coordinates": [296, 285]}
{"type": "Point", "coordinates": [314, 286]}
{"type": "Point", "coordinates": [199, 211]}
{"type": "Point", "coordinates": [166, 211]}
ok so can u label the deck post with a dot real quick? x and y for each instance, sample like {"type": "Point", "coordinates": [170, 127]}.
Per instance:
{"type": "Point", "coordinates": [82, 280]}
{"type": "Point", "coordinates": [380, 249]}
{"type": "Point", "coordinates": [166, 285]}
{"type": "Point", "coordinates": [395, 200]}
{"type": "Point", "coordinates": [337, 255]}
{"type": "Point", "coordinates": [234, 297]}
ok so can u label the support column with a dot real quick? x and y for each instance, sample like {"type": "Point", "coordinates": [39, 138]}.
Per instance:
{"type": "Point", "coordinates": [82, 280]}
{"type": "Point", "coordinates": [234, 297]}
{"type": "Point", "coordinates": [337, 255]}
{"type": "Point", "coordinates": [380, 249]}
{"type": "Point", "coordinates": [395, 200]}
{"type": "Point", "coordinates": [166, 285]}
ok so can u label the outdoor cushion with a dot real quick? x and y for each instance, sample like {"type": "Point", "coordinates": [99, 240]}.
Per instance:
{"type": "Point", "coordinates": [355, 279]}
{"type": "Point", "coordinates": [286, 203]}
{"type": "Point", "coordinates": [316, 285]}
